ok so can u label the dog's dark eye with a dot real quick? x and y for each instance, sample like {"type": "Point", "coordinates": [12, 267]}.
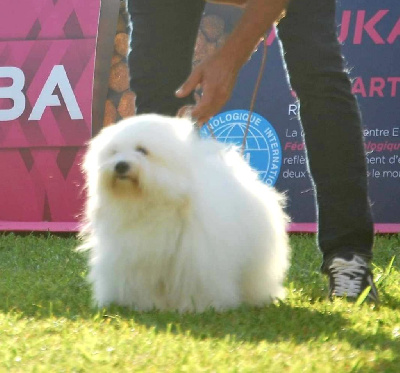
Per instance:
{"type": "Point", "coordinates": [142, 150]}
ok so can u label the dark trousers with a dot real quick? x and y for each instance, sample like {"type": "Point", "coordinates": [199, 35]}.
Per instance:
{"type": "Point", "coordinates": [163, 38]}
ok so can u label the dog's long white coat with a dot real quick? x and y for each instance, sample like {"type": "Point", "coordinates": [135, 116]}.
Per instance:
{"type": "Point", "coordinates": [197, 230]}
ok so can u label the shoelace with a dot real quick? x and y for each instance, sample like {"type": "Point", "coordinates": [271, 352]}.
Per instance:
{"type": "Point", "coordinates": [347, 276]}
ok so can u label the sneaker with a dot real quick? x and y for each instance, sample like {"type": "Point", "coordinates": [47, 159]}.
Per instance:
{"type": "Point", "coordinates": [350, 277]}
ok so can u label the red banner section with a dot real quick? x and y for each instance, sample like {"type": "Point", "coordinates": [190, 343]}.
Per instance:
{"type": "Point", "coordinates": [47, 51]}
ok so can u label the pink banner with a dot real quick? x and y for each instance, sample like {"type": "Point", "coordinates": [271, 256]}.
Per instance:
{"type": "Point", "coordinates": [47, 53]}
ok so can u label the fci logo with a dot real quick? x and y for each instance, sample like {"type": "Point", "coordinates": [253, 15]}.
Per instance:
{"type": "Point", "coordinates": [57, 78]}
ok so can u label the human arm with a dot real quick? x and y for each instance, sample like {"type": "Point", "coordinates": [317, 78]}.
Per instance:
{"type": "Point", "coordinates": [217, 74]}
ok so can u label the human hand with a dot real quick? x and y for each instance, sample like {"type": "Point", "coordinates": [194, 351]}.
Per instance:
{"type": "Point", "coordinates": [217, 77]}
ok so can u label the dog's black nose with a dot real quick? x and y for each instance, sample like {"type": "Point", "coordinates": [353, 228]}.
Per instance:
{"type": "Point", "coordinates": [121, 167]}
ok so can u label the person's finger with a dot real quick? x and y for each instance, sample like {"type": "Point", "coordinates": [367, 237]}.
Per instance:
{"type": "Point", "coordinates": [190, 84]}
{"type": "Point", "coordinates": [213, 99]}
{"type": "Point", "coordinates": [202, 121]}
{"type": "Point", "coordinates": [202, 110]}
{"type": "Point", "coordinates": [185, 111]}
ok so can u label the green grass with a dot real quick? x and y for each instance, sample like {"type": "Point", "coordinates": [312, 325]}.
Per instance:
{"type": "Point", "coordinates": [47, 323]}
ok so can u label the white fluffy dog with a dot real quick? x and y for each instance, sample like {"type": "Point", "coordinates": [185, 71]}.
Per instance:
{"type": "Point", "coordinates": [176, 222]}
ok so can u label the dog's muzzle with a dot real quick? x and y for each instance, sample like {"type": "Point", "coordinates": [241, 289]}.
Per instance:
{"type": "Point", "coordinates": [125, 171]}
{"type": "Point", "coordinates": [121, 168]}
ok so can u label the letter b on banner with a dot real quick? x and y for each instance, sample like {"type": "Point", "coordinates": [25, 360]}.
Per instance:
{"type": "Point", "coordinates": [13, 92]}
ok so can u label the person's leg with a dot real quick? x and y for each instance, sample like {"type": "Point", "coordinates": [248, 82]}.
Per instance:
{"type": "Point", "coordinates": [163, 40]}
{"type": "Point", "coordinates": [332, 129]}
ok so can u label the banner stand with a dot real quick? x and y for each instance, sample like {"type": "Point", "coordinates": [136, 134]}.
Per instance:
{"type": "Point", "coordinates": [109, 10]}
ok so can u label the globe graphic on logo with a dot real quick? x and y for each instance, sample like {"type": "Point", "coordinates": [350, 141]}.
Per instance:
{"type": "Point", "coordinates": [262, 149]}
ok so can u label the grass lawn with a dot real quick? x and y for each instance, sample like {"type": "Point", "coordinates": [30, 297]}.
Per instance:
{"type": "Point", "coordinates": [47, 323]}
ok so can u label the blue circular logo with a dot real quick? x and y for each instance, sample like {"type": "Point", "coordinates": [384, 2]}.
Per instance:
{"type": "Point", "coordinates": [263, 149]}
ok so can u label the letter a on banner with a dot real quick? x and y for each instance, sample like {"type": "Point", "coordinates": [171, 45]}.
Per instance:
{"type": "Point", "coordinates": [58, 77]}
